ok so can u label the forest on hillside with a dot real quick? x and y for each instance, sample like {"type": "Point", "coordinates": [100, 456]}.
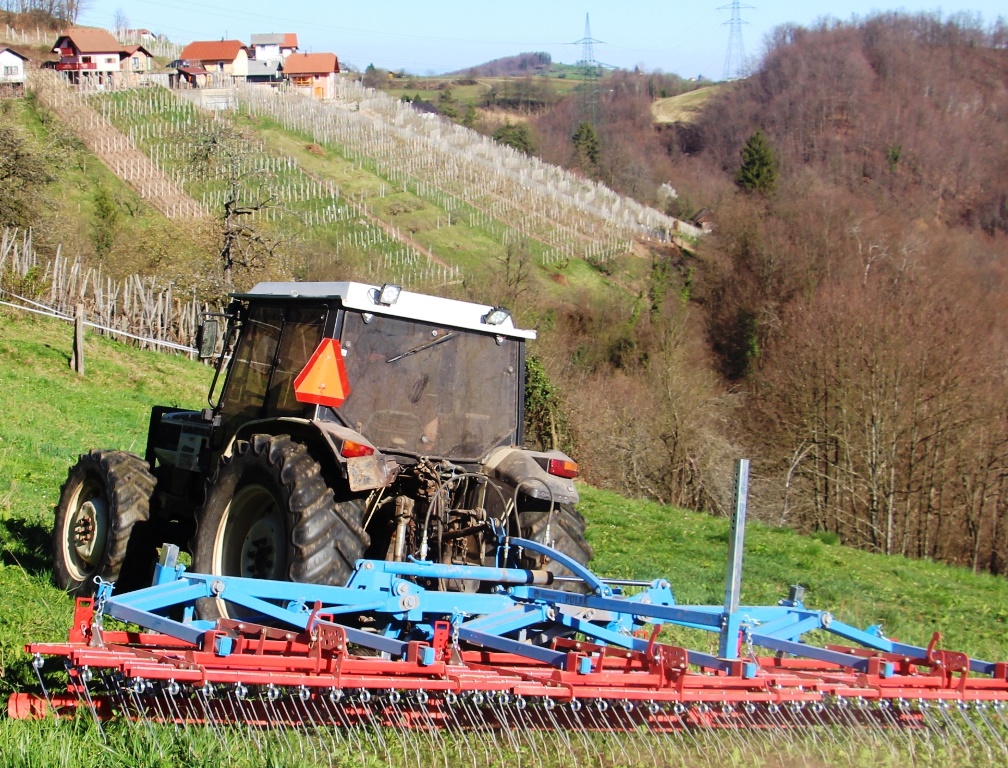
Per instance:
{"type": "Point", "coordinates": [845, 323]}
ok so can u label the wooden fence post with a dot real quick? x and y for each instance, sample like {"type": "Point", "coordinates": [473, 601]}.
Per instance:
{"type": "Point", "coordinates": [77, 359]}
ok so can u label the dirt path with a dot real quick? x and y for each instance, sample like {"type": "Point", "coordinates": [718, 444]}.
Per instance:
{"type": "Point", "coordinates": [115, 149]}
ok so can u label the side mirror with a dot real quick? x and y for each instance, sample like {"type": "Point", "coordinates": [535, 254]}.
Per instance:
{"type": "Point", "coordinates": [207, 337]}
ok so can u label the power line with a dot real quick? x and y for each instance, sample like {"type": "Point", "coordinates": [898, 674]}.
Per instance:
{"type": "Point", "coordinates": [589, 70]}
{"type": "Point", "coordinates": [735, 65]}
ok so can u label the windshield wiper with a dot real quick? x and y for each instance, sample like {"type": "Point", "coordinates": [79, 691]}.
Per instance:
{"type": "Point", "coordinates": [422, 347]}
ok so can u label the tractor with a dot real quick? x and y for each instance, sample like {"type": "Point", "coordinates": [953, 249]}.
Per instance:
{"type": "Point", "coordinates": [344, 421]}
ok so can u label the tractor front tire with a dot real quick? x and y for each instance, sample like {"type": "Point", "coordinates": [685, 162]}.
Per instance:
{"type": "Point", "coordinates": [268, 514]}
{"type": "Point", "coordinates": [100, 524]}
{"type": "Point", "coordinates": [566, 534]}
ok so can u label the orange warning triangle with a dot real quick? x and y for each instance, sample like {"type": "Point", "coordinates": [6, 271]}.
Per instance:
{"type": "Point", "coordinates": [323, 380]}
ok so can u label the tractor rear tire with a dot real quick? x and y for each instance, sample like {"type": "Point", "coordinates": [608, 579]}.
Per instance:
{"type": "Point", "coordinates": [101, 521]}
{"type": "Point", "coordinates": [268, 514]}
{"type": "Point", "coordinates": [567, 531]}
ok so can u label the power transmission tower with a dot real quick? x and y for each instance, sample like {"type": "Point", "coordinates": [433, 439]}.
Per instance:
{"type": "Point", "coordinates": [735, 65]}
{"type": "Point", "coordinates": [589, 70]}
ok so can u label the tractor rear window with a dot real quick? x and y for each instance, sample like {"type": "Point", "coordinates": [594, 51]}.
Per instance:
{"type": "Point", "coordinates": [275, 344]}
{"type": "Point", "coordinates": [430, 390]}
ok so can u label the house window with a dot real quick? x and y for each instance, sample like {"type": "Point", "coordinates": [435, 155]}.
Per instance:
{"type": "Point", "coordinates": [136, 62]}
{"type": "Point", "coordinates": [85, 59]}
{"type": "Point", "coordinates": [10, 71]}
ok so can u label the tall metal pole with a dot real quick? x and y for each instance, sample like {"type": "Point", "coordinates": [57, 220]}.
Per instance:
{"type": "Point", "coordinates": [728, 648]}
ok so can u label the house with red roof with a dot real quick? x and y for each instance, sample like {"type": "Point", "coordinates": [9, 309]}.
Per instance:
{"type": "Point", "coordinates": [275, 46]}
{"type": "Point", "coordinates": [87, 53]}
{"type": "Point", "coordinates": [313, 73]}
{"type": "Point", "coordinates": [228, 57]}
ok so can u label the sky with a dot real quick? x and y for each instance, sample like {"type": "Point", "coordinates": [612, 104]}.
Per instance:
{"type": "Point", "coordinates": [686, 38]}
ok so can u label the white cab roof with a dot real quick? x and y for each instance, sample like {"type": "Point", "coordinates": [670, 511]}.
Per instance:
{"type": "Point", "coordinates": [410, 305]}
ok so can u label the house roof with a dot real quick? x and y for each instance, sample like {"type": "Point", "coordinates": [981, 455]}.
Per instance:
{"type": "Point", "coordinates": [212, 50]}
{"type": "Point", "coordinates": [11, 50]}
{"type": "Point", "coordinates": [90, 40]}
{"type": "Point", "coordinates": [311, 64]}
{"type": "Point", "coordinates": [283, 39]}
{"type": "Point", "coordinates": [129, 50]}
{"type": "Point", "coordinates": [263, 68]}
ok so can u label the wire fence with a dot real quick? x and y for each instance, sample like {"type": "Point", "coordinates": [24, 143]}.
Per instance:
{"type": "Point", "coordinates": [142, 310]}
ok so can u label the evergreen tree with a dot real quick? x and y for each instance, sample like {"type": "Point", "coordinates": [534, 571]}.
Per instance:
{"type": "Point", "coordinates": [516, 136]}
{"type": "Point", "coordinates": [586, 146]}
{"type": "Point", "coordinates": [759, 166]}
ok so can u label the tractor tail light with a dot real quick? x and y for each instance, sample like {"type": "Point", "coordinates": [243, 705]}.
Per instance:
{"type": "Point", "coordinates": [352, 450]}
{"type": "Point", "coordinates": [562, 468]}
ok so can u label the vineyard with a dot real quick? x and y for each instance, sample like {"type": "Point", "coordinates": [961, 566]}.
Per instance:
{"type": "Point", "coordinates": [468, 174]}
{"type": "Point", "coordinates": [149, 137]}
{"type": "Point", "coordinates": [144, 310]}
{"type": "Point", "coordinates": [488, 196]}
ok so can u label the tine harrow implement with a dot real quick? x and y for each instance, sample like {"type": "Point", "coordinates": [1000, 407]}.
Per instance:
{"type": "Point", "coordinates": [519, 659]}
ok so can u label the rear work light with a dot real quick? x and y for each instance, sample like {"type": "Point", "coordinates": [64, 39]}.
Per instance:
{"type": "Point", "coordinates": [562, 468]}
{"type": "Point", "coordinates": [352, 450]}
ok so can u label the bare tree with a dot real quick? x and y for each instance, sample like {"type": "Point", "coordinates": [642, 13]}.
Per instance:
{"type": "Point", "coordinates": [120, 22]}
{"type": "Point", "coordinates": [246, 248]}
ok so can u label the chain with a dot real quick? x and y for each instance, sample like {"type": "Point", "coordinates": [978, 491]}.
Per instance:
{"type": "Point", "coordinates": [99, 610]}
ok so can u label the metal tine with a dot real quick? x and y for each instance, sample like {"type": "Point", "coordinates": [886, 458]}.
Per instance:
{"type": "Point", "coordinates": [548, 706]}
{"type": "Point", "coordinates": [964, 711]}
{"type": "Point", "coordinates": [677, 742]}
{"type": "Point", "coordinates": [404, 732]}
{"type": "Point", "coordinates": [712, 735]}
{"type": "Point", "coordinates": [996, 737]}
{"type": "Point", "coordinates": [374, 729]}
{"type": "Point", "coordinates": [461, 734]}
{"type": "Point", "coordinates": [628, 729]}
{"type": "Point", "coordinates": [496, 705]}
{"type": "Point", "coordinates": [778, 734]}
{"type": "Point", "coordinates": [83, 682]}
{"type": "Point", "coordinates": [954, 728]}
{"type": "Point", "coordinates": [254, 730]}
{"type": "Point", "coordinates": [1000, 710]}
{"type": "Point", "coordinates": [839, 738]}
{"type": "Point", "coordinates": [327, 728]}
{"type": "Point", "coordinates": [893, 724]}
{"type": "Point", "coordinates": [572, 711]}
{"type": "Point", "coordinates": [138, 699]}
{"type": "Point", "coordinates": [935, 725]}
{"type": "Point", "coordinates": [289, 721]}
{"type": "Point", "coordinates": [860, 735]}
{"type": "Point", "coordinates": [306, 721]}
{"type": "Point", "coordinates": [947, 731]}
{"type": "Point", "coordinates": [601, 730]}
{"type": "Point", "coordinates": [430, 728]}
{"type": "Point", "coordinates": [729, 730]}
{"type": "Point", "coordinates": [474, 722]}
{"type": "Point", "coordinates": [526, 731]}
{"type": "Point", "coordinates": [208, 718]}
{"type": "Point", "coordinates": [926, 733]}
{"type": "Point", "coordinates": [350, 729]}
{"type": "Point", "coordinates": [270, 698]}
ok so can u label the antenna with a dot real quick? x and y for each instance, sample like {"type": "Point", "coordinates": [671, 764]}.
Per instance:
{"type": "Point", "coordinates": [735, 59]}
{"type": "Point", "coordinates": [589, 69]}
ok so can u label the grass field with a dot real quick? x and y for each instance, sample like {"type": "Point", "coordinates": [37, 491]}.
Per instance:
{"type": "Point", "coordinates": [683, 108]}
{"type": "Point", "coordinates": [50, 416]}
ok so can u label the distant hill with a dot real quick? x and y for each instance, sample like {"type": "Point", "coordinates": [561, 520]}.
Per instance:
{"type": "Point", "coordinates": [537, 63]}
